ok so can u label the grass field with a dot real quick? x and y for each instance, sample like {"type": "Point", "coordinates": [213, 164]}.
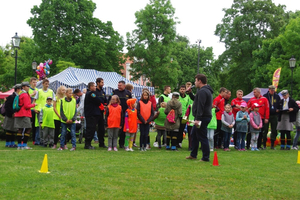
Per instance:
{"type": "Point", "coordinates": [155, 174]}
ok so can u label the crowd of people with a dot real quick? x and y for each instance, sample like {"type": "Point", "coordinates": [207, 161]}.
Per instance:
{"type": "Point", "coordinates": [46, 116]}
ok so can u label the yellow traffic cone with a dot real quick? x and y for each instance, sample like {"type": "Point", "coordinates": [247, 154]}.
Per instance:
{"type": "Point", "coordinates": [44, 168]}
{"type": "Point", "coordinates": [298, 160]}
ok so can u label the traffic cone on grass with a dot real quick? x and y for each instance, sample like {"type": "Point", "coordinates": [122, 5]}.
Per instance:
{"type": "Point", "coordinates": [44, 168]}
{"type": "Point", "coordinates": [298, 160]}
{"type": "Point", "coordinates": [215, 162]}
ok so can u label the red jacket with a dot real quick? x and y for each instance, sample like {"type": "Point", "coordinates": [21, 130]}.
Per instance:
{"type": "Point", "coordinates": [234, 102]}
{"type": "Point", "coordinates": [153, 101]}
{"type": "Point", "coordinates": [264, 110]}
{"type": "Point", "coordinates": [219, 103]}
{"type": "Point", "coordinates": [25, 104]}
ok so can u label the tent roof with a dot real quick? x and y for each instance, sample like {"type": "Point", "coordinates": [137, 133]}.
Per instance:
{"type": "Point", "coordinates": [79, 78]}
{"type": "Point", "coordinates": [263, 91]}
{"type": "Point", "coordinates": [6, 94]}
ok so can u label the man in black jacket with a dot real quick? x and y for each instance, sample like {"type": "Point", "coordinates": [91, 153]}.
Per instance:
{"type": "Point", "coordinates": [92, 113]}
{"type": "Point", "coordinates": [8, 124]}
{"type": "Point", "coordinates": [274, 100]}
{"type": "Point", "coordinates": [202, 112]}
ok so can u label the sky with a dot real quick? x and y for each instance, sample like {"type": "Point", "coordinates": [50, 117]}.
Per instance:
{"type": "Point", "coordinates": [198, 18]}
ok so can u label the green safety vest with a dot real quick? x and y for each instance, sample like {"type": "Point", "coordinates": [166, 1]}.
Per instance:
{"type": "Point", "coordinates": [58, 103]}
{"type": "Point", "coordinates": [191, 116]}
{"type": "Point", "coordinates": [160, 120]}
{"type": "Point", "coordinates": [69, 108]}
{"type": "Point", "coordinates": [41, 101]}
{"type": "Point", "coordinates": [184, 104]}
{"type": "Point", "coordinates": [213, 122]}
{"type": "Point", "coordinates": [166, 99]}
{"type": "Point", "coordinates": [48, 114]}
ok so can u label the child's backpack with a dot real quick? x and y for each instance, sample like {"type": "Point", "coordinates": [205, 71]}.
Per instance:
{"type": "Point", "coordinates": [171, 117]}
{"type": "Point", "coordinates": [2, 110]}
{"type": "Point", "coordinates": [16, 106]}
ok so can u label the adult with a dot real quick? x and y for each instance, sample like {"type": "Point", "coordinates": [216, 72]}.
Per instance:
{"type": "Point", "coordinates": [227, 96]}
{"type": "Point", "coordinates": [219, 103]}
{"type": "Point", "coordinates": [264, 112]}
{"type": "Point", "coordinates": [202, 112]}
{"type": "Point", "coordinates": [288, 109]}
{"type": "Point", "coordinates": [32, 92]}
{"type": "Point", "coordinates": [274, 100]}
{"type": "Point", "coordinates": [184, 100]}
{"type": "Point", "coordinates": [124, 95]}
{"type": "Point", "coordinates": [22, 117]}
{"type": "Point", "coordinates": [101, 94]}
{"type": "Point", "coordinates": [92, 113]}
{"type": "Point", "coordinates": [40, 99]}
{"type": "Point", "coordinates": [9, 124]}
{"type": "Point", "coordinates": [236, 107]}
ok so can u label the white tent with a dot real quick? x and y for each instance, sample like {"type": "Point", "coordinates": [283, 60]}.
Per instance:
{"type": "Point", "coordinates": [79, 78]}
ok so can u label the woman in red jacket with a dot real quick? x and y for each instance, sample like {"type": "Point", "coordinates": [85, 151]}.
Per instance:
{"type": "Point", "coordinates": [23, 116]}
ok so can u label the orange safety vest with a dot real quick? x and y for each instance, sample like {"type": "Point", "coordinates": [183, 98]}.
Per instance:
{"type": "Point", "coordinates": [114, 117]}
{"type": "Point", "coordinates": [145, 110]}
{"type": "Point", "coordinates": [132, 121]}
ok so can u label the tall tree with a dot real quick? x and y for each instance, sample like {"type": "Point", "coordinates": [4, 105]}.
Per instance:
{"type": "Point", "coordinates": [150, 45]}
{"type": "Point", "coordinates": [244, 26]}
{"type": "Point", "coordinates": [66, 30]}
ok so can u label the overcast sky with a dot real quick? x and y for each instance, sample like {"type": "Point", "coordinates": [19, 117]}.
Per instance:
{"type": "Point", "coordinates": [198, 18]}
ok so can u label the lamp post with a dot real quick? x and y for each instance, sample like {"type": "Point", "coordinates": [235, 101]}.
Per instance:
{"type": "Point", "coordinates": [16, 44]}
{"type": "Point", "coordinates": [33, 65]}
{"type": "Point", "coordinates": [292, 62]}
{"type": "Point", "coordinates": [199, 42]}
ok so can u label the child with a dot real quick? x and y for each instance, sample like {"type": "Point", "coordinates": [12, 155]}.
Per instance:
{"type": "Point", "coordinates": [227, 124]}
{"type": "Point", "coordinates": [114, 123]}
{"type": "Point", "coordinates": [255, 126]}
{"type": "Point", "coordinates": [159, 120]}
{"type": "Point", "coordinates": [145, 113]}
{"type": "Point", "coordinates": [211, 127]}
{"type": "Point", "coordinates": [242, 119]}
{"type": "Point", "coordinates": [130, 126]}
{"type": "Point", "coordinates": [68, 113]}
{"type": "Point", "coordinates": [189, 116]}
{"type": "Point", "coordinates": [47, 122]}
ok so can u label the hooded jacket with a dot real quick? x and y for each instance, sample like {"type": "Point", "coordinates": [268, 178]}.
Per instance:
{"type": "Point", "coordinates": [203, 103]}
{"type": "Point", "coordinates": [130, 117]}
{"type": "Point", "coordinates": [176, 106]}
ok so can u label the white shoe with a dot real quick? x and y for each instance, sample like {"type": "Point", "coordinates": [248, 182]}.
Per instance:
{"type": "Point", "coordinates": [211, 149]}
{"type": "Point", "coordinates": [127, 149]}
{"type": "Point", "coordinates": [155, 144]}
{"type": "Point", "coordinates": [27, 147]}
{"type": "Point", "coordinates": [130, 149]}
{"type": "Point", "coordinates": [295, 148]}
{"type": "Point", "coordinates": [180, 144]}
{"type": "Point", "coordinates": [148, 147]}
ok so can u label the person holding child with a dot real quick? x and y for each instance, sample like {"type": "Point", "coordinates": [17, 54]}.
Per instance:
{"type": "Point", "coordinates": [130, 124]}
{"type": "Point", "coordinates": [227, 125]}
{"type": "Point", "coordinates": [255, 125]}
{"type": "Point", "coordinates": [159, 119]}
{"type": "Point", "coordinates": [47, 123]}
{"type": "Point", "coordinates": [242, 119]}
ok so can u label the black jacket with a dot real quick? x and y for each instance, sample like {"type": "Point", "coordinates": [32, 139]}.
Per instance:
{"type": "Point", "coordinates": [9, 105]}
{"type": "Point", "coordinates": [92, 103]}
{"type": "Point", "coordinates": [276, 101]}
{"type": "Point", "coordinates": [203, 103]}
{"type": "Point", "coordinates": [291, 104]}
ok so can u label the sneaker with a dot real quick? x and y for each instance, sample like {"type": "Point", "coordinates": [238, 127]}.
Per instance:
{"type": "Point", "coordinates": [13, 146]}
{"type": "Point", "coordinates": [20, 148]}
{"type": "Point", "coordinates": [295, 148]}
{"type": "Point", "coordinates": [73, 149]}
{"type": "Point", "coordinates": [145, 149]}
{"type": "Point", "coordinates": [130, 149]}
{"type": "Point", "coordinates": [281, 148]}
{"type": "Point", "coordinates": [27, 147]}
{"type": "Point", "coordinates": [126, 149]}
{"type": "Point", "coordinates": [148, 147]}
{"type": "Point", "coordinates": [54, 147]}
{"type": "Point", "coordinates": [243, 150]}
{"type": "Point", "coordinates": [66, 148]}
{"type": "Point", "coordinates": [115, 149]}
{"type": "Point", "coordinates": [256, 149]}
{"type": "Point", "coordinates": [180, 145]}
{"type": "Point", "coordinates": [211, 149]}
{"type": "Point", "coordinates": [135, 145]}
{"type": "Point", "coordinates": [252, 149]}
{"type": "Point", "coordinates": [288, 148]}
{"type": "Point", "coordinates": [265, 148]}
{"type": "Point", "coordinates": [239, 149]}
{"type": "Point", "coordinates": [141, 149]}
{"type": "Point", "coordinates": [109, 149]}
{"type": "Point", "coordinates": [60, 149]}
{"type": "Point", "coordinates": [155, 144]}
{"type": "Point", "coordinates": [89, 147]}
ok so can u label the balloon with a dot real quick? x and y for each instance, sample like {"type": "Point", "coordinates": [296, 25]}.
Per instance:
{"type": "Point", "coordinates": [38, 67]}
{"type": "Point", "coordinates": [41, 65]}
{"type": "Point", "coordinates": [45, 63]}
{"type": "Point", "coordinates": [50, 62]}
{"type": "Point", "coordinates": [47, 66]}
{"type": "Point", "coordinates": [42, 69]}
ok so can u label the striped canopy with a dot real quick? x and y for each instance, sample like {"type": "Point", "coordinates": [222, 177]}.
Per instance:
{"type": "Point", "coordinates": [79, 78]}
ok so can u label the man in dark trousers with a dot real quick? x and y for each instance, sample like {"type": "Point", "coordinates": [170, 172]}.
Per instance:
{"type": "Point", "coordinates": [101, 94]}
{"type": "Point", "coordinates": [274, 100]}
{"type": "Point", "coordinates": [202, 112]}
{"type": "Point", "coordinates": [92, 113]}
{"type": "Point", "coordinates": [123, 94]}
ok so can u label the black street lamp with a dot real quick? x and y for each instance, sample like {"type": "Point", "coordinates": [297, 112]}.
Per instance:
{"type": "Point", "coordinates": [292, 62]}
{"type": "Point", "coordinates": [198, 41]}
{"type": "Point", "coordinates": [16, 44]}
{"type": "Point", "coordinates": [33, 65]}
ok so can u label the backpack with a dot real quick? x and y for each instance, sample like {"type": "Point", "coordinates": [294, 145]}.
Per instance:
{"type": "Point", "coordinates": [2, 110]}
{"type": "Point", "coordinates": [16, 106]}
{"type": "Point", "coordinates": [171, 117]}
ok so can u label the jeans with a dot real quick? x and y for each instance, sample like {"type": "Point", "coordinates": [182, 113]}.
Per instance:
{"type": "Point", "coordinates": [37, 136]}
{"type": "Point", "coordinates": [64, 127]}
{"type": "Point", "coordinates": [210, 135]}
{"type": "Point", "coordinates": [296, 136]}
{"type": "Point", "coordinates": [200, 135]}
{"type": "Point", "coordinates": [159, 134]}
{"type": "Point", "coordinates": [226, 139]}
{"type": "Point", "coordinates": [144, 132]}
{"type": "Point", "coordinates": [240, 142]}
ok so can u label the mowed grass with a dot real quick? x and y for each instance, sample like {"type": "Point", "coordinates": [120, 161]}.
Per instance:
{"type": "Point", "coordinates": [155, 174]}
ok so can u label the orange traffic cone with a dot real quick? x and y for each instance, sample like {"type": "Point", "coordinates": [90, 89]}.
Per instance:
{"type": "Point", "coordinates": [44, 168]}
{"type": "Point", "coordinates": [215, 162]}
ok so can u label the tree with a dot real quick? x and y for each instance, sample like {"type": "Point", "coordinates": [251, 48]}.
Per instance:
{"type": "Point", "coordinates": [244, 26]}
{"type": "Point", "coordinates": [66, 30]}
{"type": "Point", "coordinates": [150, 45]}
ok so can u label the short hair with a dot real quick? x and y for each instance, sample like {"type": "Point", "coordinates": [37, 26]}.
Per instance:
{"type": "Point", "coordinates": [32, 79]}
{"type": "Point", "coordinates": [202, 78]}
{"type": "Point", "coordinates": [129, 86]}
{"type": "Point", "coordinates": [227, 91]}
{"type": "Point", "coordinates": [166, 86]}
{"type": "Point", "coordinates": [69, 90]}
{"type": "Point", "coordinates": [222, 89]}
{"type": "Point", "coordinates": [76, 91]}
{"type": "Point", "coordinates": [240, 91]}
{"type": "Point", "coordinates": [227, 105]}
{"type": "Point", "coordinates": [183, 86]}
{"type": "Point", "coordinates": [188, 83]}
{"type": "Point", "coordinates": [257, 89]}
{"type": "Point", "coordinates": [122, 82]}
{"type": "Point", "coordinates": [98, 80]}
{"type": "Point", "coordinates": [163, 104]}
{"type": "Point", "coordinates": [45, 81]}
{"type": "Point", "coordinates": [90, 84]}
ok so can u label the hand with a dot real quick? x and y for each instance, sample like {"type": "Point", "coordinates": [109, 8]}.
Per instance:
{"type": "Point", "coordinates": [230, 126]}
{"type": "Point", "coordinates": [238, 106]}
{"type": "Point", "coordinates": [41, 124]}
{"type": "Point", "coordinates": [291, 109]}
{"type": "Point", "coordinates": [266, 121]}
{"type": "Point", "coordinates": [245, 116]}
{"type": "Point", "coordinates": [257, 128]}
{"type": "Point", "coordinates": [127, 130]}
{"type": "Point", "coordinates": [34, 93]}
{"type": "Point", "coordinates": [196, 122]}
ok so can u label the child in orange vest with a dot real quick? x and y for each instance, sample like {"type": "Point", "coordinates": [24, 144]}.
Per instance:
{"type": "Point", "coordinates": [145, 113]}
{"type": "Point", "coordinates": [113, 122]}
{"type": "Point", "coordinates": [130, 126]}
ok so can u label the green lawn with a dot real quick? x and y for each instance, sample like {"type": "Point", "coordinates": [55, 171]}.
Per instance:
{"type": "Point", "coordinates": [155, 174]}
